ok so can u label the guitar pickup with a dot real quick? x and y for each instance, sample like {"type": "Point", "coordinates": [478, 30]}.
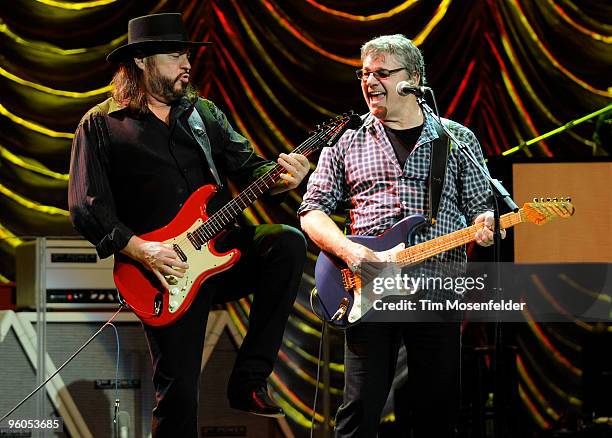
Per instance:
{"type": "Point", "coordinates": [179, 252]}
{"type": "Point", "coordinates": [197, 244]}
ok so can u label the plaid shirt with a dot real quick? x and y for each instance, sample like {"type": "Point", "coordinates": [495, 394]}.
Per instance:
{"type": "Point", "coordinates": [362, 171]}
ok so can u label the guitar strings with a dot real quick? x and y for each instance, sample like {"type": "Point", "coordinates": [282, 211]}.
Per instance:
{"type": "Point", "coordinates": [217, 221]}
{"type": "Point", "coordinates": [209, 226]}
{"type": "Point", "coordinates": [425, 250]}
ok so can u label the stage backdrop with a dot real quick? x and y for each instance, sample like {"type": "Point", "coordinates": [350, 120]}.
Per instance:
{"type": "Point", "coordinates": [508, 69]}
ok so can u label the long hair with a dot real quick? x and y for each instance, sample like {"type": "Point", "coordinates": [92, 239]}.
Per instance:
{"type": "Point", "coordinates": [128, 87]}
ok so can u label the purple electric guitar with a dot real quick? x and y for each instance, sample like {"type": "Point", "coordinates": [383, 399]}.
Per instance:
{"type": "Point", "coordinates": [338, 289]}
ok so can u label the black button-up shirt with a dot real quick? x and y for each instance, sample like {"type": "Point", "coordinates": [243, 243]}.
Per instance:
{"type": "Point", "coordinates": [131, 173]}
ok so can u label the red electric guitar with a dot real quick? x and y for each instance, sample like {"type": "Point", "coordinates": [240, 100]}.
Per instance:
{"type": "Point", "coordinates": [192, 234]}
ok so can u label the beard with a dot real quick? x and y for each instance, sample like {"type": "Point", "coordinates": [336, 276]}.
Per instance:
{"type": "Point", "coordinates": [167, 89]}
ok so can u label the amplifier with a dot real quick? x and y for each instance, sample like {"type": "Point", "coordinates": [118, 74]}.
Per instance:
{"type": "Point", "coordinates": [83, 393]}
{"type": "Point", "coordinates": [68, 272]}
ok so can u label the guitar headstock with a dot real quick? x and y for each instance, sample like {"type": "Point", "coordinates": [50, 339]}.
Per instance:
{"type": "Point", "coordinates": [542, 210]}
{"type": "Point", "coordinates": [331, 131]}
{"type": "Point", "coordinates": [328, 133]}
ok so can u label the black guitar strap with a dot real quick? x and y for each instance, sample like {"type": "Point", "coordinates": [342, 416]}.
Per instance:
{"type": "Point", "coordinates": [199, 129]}
{"type": "Point", "coordinates": [440, 148]}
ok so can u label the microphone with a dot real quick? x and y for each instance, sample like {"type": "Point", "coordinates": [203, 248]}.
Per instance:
{"type": "Point", "coordinates": [404, 88]}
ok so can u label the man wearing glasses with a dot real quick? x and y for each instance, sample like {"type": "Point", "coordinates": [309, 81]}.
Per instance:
{"type": "Point", "coordinates": [382, 170]}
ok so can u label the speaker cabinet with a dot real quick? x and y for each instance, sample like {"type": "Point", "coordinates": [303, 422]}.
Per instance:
{"type": "Point", "coordinates": [83, 394]}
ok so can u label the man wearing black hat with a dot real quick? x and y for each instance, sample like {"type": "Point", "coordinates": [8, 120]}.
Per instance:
{"type": "Point", "coordinates": [134, 164]}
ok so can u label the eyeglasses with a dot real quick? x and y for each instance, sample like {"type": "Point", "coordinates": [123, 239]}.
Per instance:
{"type": "Point", "coordinates": [383, 73]}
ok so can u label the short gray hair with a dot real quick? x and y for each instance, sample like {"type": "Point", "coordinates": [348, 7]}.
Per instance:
{"type": "Point", "coordinates": [403, 48]}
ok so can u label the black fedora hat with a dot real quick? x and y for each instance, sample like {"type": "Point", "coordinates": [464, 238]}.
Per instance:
{"type": "Point", "coordinates": [156, 33]}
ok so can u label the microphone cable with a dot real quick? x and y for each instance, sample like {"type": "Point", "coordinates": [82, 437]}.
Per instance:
{"type": "Point", "coordinates": [316, 394]}
{"type": "Point", "coordinates": [61, 367]}
{"type": "Point", "coordinates": [117, 400]}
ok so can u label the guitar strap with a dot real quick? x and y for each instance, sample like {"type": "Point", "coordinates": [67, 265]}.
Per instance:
{"type": "Point", "coordinates": [199, 129]}
{"type": "Point", "coordinates": [440, 148]}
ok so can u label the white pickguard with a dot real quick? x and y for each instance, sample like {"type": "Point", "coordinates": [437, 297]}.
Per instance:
{"type": "Point", "coordinates": [391, 269]}
{"type": "Point", "coordinates": [200, 261]}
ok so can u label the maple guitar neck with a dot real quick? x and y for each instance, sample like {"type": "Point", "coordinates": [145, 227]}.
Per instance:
{"type": "Point", "coordinates": [543, 211]}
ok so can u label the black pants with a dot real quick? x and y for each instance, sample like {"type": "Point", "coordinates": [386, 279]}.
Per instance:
{"type": "Point", "coordinates": [370, 357]}
{"type": "Point", "coordinates": [270, 267]}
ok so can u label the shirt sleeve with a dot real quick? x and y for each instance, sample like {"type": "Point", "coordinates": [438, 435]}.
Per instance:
{"type": "Point", "coordinates": [90, 199]}
{"type": "Point", "coordinates": [243, 164]}
{"type": "Point", "coordinates": [474, 191]}
{"type": "Point", "coordinates": [326, 186]}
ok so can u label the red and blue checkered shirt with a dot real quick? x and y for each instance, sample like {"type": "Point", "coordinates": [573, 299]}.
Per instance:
{"type": "Point", "coordinates": [361, 171]}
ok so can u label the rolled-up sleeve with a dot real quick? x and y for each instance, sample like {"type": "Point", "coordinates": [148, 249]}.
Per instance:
{"type": "Point", "coordinates": [326, 186]}
{"type": "Point", "coordinates": [90, 199]}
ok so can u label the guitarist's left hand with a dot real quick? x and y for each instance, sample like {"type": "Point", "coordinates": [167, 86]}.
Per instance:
{"type": "Point", "coordinates": [297, 167]}
{"type": "Point", "coordinates": [484, 236]}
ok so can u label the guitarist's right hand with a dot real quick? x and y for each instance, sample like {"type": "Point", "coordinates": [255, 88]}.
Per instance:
{"type": "Point", "coordinates": [363, 260]}
{"type": "Point", "coordinates": [324, 232]}
{"type": "Point", "coordinates": [157, 257]}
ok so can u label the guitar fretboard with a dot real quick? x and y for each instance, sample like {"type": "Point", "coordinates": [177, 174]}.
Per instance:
{"type": "Point", "coordinates": [423, 251]}
{"type": "Point", "coordinates": [217, 222]}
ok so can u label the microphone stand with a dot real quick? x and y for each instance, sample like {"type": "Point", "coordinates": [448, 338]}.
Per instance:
{"type": "Point", "coordinates": [498, 192]}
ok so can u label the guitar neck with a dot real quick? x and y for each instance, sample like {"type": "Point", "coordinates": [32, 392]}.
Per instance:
{"type": "Point", "coordinates": [423, 251]}
{"type": "Point", "coordinates": [228, 213]}
{"type": "Point", "coordinates": [252, 192]}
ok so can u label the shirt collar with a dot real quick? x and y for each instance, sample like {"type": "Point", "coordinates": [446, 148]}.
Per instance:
{"type": "Point", "coordinates": [428, 134]}
{"type": "Point", "coordinates": [115, 106]}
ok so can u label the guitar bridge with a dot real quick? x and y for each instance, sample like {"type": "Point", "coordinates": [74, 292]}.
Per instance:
{"type": "Point", "coordinates": [350, 281]}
